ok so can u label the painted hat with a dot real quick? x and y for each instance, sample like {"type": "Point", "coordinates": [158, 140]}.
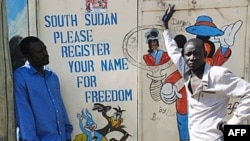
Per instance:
{"type": "Point", "coordinates": [204, 26]}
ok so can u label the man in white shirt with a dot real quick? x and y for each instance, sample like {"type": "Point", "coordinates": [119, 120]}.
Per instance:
{"type": "Point", "coordinates": [209, 88]}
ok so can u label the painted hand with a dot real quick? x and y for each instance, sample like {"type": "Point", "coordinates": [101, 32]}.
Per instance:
{"type": "Point", "coordinates": [168, 14]}
{"type": "Point", "coordinates": [169, 93]}
{"type": "Point", "coordinates": [228, 38]}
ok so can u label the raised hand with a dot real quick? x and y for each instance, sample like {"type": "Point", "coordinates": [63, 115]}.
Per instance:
{"type": "Point", "coordinates": [168, 14]}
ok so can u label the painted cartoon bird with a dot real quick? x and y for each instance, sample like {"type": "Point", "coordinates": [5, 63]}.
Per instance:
{"type": "Point", "coordinates": [114, 122]}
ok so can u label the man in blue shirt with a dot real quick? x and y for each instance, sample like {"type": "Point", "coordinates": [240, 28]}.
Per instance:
{"type": "Point", "coordinates": [40, 111]}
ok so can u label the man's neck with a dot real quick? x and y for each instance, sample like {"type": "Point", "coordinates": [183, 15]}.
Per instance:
{"type": "Point", "coordinates": [199, 72]}
{"type": "Point", "coordinates": [40, 69]}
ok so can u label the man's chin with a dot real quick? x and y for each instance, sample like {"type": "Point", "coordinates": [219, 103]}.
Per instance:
{"type": "Point", "coordinates": [46, 63]}
{"type": "Point", "coordinates": [192, 68]}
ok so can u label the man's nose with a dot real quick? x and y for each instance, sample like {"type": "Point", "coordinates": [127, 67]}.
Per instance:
{"type": "Point", "coordinates": [45, 52]}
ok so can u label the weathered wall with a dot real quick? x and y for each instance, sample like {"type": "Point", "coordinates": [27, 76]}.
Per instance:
{"type": "Point", "coordinates": [98, 52]}
{"type": "Point", "coordinates": [7, 122]}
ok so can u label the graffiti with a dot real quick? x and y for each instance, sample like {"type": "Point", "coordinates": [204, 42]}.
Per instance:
{"type": "Point", "coordinates": [162, 112]}
{"type": "Point", "coordinates": [155, 117]}
{"type": "Point", "coordinates": [179, 25]}
{"type": "Point", "coordinates": [167, 111]}
{"type": "Point", "coordinates": [231, 107]}
{"type": "Point", "coordinates": [89, 129]}
{"type": "Point", "coordinates": [163, 3]}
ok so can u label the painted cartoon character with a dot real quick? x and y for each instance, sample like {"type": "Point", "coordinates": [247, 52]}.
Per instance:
{"type": "Point", "coordinates": [155, 55]}
{"type": "Point", "coordinates": [204, 29]}
{"type": "Point", "coordinates": [114, 122]}
{"type": "Point", "coordinates": [170, 94]}
{"type": "Point", "coordinates": [89, 132]}
{"type": "Point", "coordinates": [169, 91]}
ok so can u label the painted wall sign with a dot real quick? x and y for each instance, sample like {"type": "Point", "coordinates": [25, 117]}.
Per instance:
{"type": "Point", "coordinates": [115, 87]}
{"type": "Point", "coordinates": [84, 39]}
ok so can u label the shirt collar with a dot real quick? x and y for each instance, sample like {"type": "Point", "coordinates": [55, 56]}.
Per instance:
{"type": "Point", "coordinates": [47, 71]}
{"type": "Point", "coordinates": [205, 76]}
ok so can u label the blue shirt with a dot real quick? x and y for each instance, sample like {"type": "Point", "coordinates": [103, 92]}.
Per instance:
{"type": "Point", "coordinates": [40, 112]}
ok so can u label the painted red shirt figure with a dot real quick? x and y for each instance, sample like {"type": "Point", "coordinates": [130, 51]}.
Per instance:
{"type": "Point", "coordinates": [155, 56]}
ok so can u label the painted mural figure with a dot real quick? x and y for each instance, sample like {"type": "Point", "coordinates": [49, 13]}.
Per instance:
{"type": "Point", "coordinates": [98, 6]}
{"type": "Point", "coordinates": [90, 131]}
{"type": "Point", "coordinates": [204, 29]}
{"type": "Point", "coordinates": [170, 94]}
{"type": "Point", "coordinates": [114, 122]}
{"type": "Point", "coordinates": [155, 55]}
{"type": "Point", "coordinates": [169, 91]}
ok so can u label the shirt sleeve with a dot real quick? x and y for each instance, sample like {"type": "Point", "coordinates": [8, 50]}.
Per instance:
{"type": "Point", "coordinates": [236, 87]}
{"type": "Point", "coordinates": [24, 116]}
{"type": "Point", "coordinates": [174, 52]}
{"type": "Point", "coordinates": [242, 90]}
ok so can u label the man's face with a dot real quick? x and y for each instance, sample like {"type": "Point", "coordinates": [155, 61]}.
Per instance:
{"type": "Point", "coordinates": [38, 54]}
{"type": "Point", "coordinates": [194, 54]}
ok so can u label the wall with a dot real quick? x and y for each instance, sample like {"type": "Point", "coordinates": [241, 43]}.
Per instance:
{"type": "Point", "coordinates": [100, 53]}
{"type": "Point", "coordinates": [7, 120]}
{"type": "Point", "coordinates": [85, 46]}
{"type": "Point", "coordinates": [230, 22]}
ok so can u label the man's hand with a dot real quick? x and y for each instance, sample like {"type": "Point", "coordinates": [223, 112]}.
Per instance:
{"type": "Point", "coordinates": [220, 126]}
{"type": "Point", "coordinates": [168, 14]}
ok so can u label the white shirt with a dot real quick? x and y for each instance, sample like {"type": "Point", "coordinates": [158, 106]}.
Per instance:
{"type": "Point", "coordinates": [207, 106]}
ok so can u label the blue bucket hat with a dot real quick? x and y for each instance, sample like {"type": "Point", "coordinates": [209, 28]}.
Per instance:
{"type": "Point", "coordinates": [204, 26]}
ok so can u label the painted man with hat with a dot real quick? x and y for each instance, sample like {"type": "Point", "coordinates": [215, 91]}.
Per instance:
{"type": "Point", "coordinates": [204, 28]}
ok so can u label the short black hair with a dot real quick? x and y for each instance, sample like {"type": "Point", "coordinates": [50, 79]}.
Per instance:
{"type": "Point", "coordinates": [194, 40]}
{"type": "Point", "coordinates": [25, 43]}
